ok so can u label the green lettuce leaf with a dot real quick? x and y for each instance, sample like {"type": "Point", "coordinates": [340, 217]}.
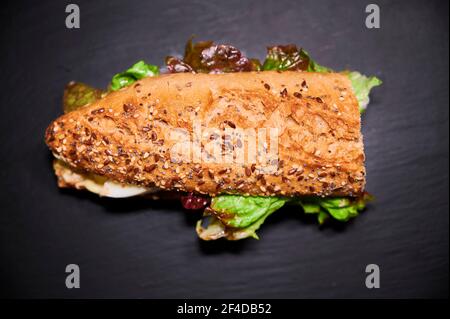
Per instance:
{"type": "Point", "coordinates": [285, 57]}
{"type": "Point", "coordinates": [138, 71]}
{"type": "Point", "coordinates": [322, 217]}
{"type": "Point", "coordinates": [236, 217]}
{"type": "Point", "coordinates": [361, 86]}
{"type": "Point", "coordinates": [340, 208]}
{"type": "Point", "coordinates": [241, 211]}
{"type": "Point", "coordinates": [313, 66]}
{"type": "Point", "coordinates": [289, 57]}
{"type": "Point", "coordinates": [249, 231]}
{"type": "Point", "coordinates": [78, 94]}
{"type": "Point", "coordinates": [312, 207]}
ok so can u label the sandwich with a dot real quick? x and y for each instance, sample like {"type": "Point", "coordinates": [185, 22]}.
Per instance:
{"type": "Point", "coordinates": [232, 138]}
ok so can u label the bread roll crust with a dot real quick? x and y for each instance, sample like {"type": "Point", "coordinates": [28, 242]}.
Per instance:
{"type": "Point", "coordinates": [128, 136]}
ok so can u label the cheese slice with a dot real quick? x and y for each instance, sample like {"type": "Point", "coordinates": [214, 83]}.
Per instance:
{"type": "Point", "coordinates": [68, 177]}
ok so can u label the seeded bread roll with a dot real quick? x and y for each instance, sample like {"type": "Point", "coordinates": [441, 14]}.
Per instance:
{"type": "Point", "coordinates": [133, 135]}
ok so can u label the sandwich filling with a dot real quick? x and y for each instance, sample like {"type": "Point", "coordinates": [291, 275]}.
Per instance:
{"type": "Point", "coordinates": [100, 185]}
{"type": "Point", "coordinates": [224, 216]}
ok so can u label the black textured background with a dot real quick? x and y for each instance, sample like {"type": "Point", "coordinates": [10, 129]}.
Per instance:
{"type": "Point", "coordinates": [135, 248]}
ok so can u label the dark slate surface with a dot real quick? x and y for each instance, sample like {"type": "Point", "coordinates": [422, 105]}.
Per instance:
{"type": "Point", "coordinates": [146, 249]}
